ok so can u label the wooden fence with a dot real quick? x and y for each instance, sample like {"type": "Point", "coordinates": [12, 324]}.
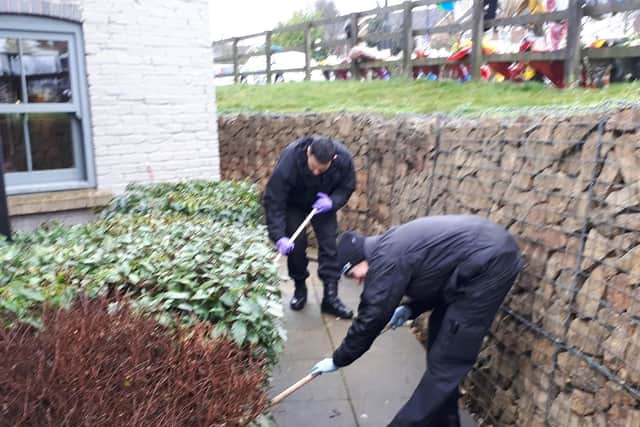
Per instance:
{"type": "Point", "coordinates": [572, 54]}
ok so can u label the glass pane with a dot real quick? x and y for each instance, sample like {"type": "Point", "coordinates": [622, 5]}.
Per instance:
{"type": "Point", "coordinates": [12, 142]}
{"type": "Point", "coordinates": [51, 141]}
{"type": "Point", "coordinates": [46, 67]}
{"type": "Point", "coordinates": [10, 84]}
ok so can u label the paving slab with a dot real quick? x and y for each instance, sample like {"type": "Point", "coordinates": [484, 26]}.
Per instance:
{"type": "Point", "coordinates": [323, 388]}
{"type": "Point", "coordinates": [376, 413]}
{"type": "Point", "coordinates": [332, 413]}
{"type": "Point", "coordinates": [306, 345]}
{"type": "Point", "coordinates": [367, 393]}
{"type": "Point", "coordinates": [379, 375]}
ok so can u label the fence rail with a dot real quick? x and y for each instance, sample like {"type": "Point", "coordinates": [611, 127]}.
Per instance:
{"type": "Point", "coordinates": [572, 55]}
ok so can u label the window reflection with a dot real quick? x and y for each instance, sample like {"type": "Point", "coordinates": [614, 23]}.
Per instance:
{"type": "Point", "coordinates": [46, 68]}
{"type": "Point", "coordinates": [51, 141]}
{"type": "Point", "coordinates": [10, 83]}
{"type": "Point", "coordinates": [12, 142]}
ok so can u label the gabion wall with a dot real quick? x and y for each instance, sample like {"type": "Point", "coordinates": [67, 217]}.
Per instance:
{"type": "Point", "coordinates": [565, 350]}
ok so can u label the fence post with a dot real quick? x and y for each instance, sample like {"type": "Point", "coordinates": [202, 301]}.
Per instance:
{"type": "Point", "coordinates": [477, 33]}
{"type": "Point", "coordinates": [307, 51]}
{"type": "Point", "coordinates": [5, 224]}
{"type": "Point", "coordinates": [572, 51]}
{"type": "Point", "coordinates": [267, 53]}
{"type": "Point", "coordinates": [236, 74]}
{"type": "Point", "coordinates": [407, 39]}
{"type": "Point", "coordinates": [354, 41]}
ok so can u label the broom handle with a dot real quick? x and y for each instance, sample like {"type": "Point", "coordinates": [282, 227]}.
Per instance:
{"type": "Point", "coordinates": [279, 398]}
{"type": "Point", "coordinates": [298, 231]}
{"type": "Point", "coordinates": [307, 379]}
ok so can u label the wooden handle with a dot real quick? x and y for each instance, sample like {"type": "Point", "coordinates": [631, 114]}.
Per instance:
{"type": "Point", "coordinates": [295, 235]}
{"type": "Point", "coordinates": [279, 398]}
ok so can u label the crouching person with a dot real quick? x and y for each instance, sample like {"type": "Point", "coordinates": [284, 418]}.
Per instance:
{"type": "Point", "coordinates": [461, 268]}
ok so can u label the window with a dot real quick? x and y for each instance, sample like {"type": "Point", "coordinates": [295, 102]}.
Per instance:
{"type": "Point", "coordinates": [45, 132]}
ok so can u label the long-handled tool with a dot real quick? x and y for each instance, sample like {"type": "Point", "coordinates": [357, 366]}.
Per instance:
{"type": "Point", "coordinates": [309, 377]}
{"type": "Point", "coordinates": [298, 231]}
{"type": "Point", "coordinates": [279, 398]}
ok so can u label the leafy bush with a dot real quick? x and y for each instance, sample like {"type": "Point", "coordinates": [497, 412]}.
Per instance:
{"type": "Point", "coordinates": [171, 256]}
{"type": "Point", "coordinates": [98, 364]}
{"type": "Point", "coordinates": [227, 201]}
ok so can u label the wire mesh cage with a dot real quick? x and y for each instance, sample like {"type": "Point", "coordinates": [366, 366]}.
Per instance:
{"type": "Point", "coordinates": [565, 182]}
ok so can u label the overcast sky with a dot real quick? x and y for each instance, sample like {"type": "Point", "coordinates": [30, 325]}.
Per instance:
{"type": "Point", "coordinates": [230, 18]}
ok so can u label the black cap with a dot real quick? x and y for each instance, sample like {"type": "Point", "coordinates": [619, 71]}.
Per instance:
{"type": "Point", "coordinates": [350, 250]}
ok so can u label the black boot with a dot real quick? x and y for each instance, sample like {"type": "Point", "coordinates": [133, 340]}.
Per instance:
{"type": "Point", "coordinates": [331, 304]}
{"type": "Point", "coordinates": [299, 297]}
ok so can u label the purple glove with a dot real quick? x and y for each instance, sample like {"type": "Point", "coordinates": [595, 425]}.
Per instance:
{"type": "Point", "coordinates": [284, 245]}
{"type": "Point", "coordinates": [323, 203]}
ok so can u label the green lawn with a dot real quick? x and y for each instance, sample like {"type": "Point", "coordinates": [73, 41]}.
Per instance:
{"type": "Point", "coordinates": [399, 96]}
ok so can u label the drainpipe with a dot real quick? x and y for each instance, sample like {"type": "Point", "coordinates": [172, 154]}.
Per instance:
{"type": "Point", "coordinates": [5, 226]}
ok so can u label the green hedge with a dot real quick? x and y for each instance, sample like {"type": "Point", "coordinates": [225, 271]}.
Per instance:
{"type": "Point", "coordinates": [196, 248]}
{"type": "Point", "coordinates": [225, 201]}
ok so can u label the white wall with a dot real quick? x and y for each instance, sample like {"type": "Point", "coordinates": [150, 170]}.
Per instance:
{"type": "Point", "coordinates": [151, 90]}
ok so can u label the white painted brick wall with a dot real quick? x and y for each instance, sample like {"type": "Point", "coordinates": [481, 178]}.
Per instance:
{"type": "Point", "coordinates": [152, 97]}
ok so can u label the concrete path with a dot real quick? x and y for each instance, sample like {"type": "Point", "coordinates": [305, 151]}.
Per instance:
{"type": "Point", "coordinates": [367, 393]}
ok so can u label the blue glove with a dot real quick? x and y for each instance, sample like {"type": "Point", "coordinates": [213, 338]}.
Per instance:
{"type": "Point", "coordinates": [284, 245]}
{"type": "Point", "coordinates": [323, 367]}
{"type": "Point", "coordinates": [401, 314]}
{"type": "Point", "coordinates": [323, 203]}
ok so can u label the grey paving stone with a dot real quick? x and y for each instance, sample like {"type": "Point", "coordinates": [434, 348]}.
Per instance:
{"type": "Point", "coordinates": [337, 328]}
{"type": "Point", "coordinates": [378, 383]}
{"type": "Point", "coordinates": [325, 387]}
{"type": "Point", "coordinates": [332, 413]}
{"type": "Point", "coordinates": [307, 319]}
{"type": "Point", "coordinates": [374, 413]}
{"type": "Point", "coordinates": [381, 376]}
{"type": "Point", "coordinates": [402, 341]}
{"type": "Point", "coordinates": [306, 345]}
{"type": "Point", "coordinates": [349, 291]}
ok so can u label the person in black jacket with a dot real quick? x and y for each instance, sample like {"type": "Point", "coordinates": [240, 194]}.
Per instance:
{"type": "Point", "coordinates": [312, 172]}
{"type": "Point", "coordinates": [459, 266]}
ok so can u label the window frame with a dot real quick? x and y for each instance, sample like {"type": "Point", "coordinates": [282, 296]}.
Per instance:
{"type": "Point", "coordinates": [83, 174]}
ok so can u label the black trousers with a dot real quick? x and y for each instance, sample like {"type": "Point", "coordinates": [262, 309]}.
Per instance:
{"type": "Point", "coordinates": [325, 226]}
{"type": "Point", "coordinates": [457, 327]}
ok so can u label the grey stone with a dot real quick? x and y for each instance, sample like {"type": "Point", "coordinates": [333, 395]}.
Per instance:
{"type": "Point", "coordinates": [596, 249]}
{"type": "Point", "coordinates": [582, 403]}
{"type": "Point", "coordinates": [587, 336]}
{"type": "Point", "coordinates": [628, 196]}
{"type": "Point", "coordinates": [630, 263]}
{"type": "Point", "coordinates": [330, 413]}
{"type": "Point", "coordinates": [591, 292]}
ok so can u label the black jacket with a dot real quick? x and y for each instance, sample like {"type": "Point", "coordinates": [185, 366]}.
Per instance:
{"type": "Point", "coordinates": [426, 260]}
{"type": "Point", "coordinates": [293, 185]}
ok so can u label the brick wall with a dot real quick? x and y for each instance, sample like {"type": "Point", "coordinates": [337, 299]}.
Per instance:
{"type": "Point", "coordinates": [151, 91]}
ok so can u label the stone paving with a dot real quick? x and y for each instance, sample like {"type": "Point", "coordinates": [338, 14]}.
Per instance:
{"type": "Point", "coordinates": [367, 393]}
